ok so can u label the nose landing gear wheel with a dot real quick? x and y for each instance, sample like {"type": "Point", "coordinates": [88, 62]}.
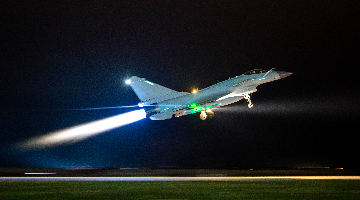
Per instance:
{"type": "Point", "coordinates": [247, 97]}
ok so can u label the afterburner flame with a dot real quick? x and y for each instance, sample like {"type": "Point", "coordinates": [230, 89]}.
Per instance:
{"type": "Point", "coordinates": [83, 131]}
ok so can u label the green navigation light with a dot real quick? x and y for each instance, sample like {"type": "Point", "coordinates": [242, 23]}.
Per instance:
{"type": "Point", "coordinates": [194, 109]}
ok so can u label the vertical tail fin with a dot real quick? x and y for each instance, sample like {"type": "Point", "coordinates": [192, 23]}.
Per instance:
{"type": "Point", "coordinates": [151, 92]}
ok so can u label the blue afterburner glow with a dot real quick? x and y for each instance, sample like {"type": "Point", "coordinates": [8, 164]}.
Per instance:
{"type": "Point", "coordinates": [83, 131]}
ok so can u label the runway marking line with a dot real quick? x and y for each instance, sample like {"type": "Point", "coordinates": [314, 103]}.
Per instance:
{"type": "Point", "coordinates": [6, 179]}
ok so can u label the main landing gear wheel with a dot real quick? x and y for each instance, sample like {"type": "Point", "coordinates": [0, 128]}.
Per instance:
{"type": "Point", "coordinates": [247, 97]}
{"type": "Point", "coordinates": [203, 115]}
{"type": "Point", "coordinates": [210, 113]}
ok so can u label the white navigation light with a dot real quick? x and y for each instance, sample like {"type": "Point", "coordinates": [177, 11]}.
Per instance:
{"type": "Point", "coordinates": [128, 81]}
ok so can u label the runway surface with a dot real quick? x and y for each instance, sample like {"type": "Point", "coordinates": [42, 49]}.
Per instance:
{"type": "Point", "coordinates": [260, 178]}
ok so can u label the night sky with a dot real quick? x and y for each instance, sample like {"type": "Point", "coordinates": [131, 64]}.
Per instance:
{"type": "Point", "coordinates": [77, 55]}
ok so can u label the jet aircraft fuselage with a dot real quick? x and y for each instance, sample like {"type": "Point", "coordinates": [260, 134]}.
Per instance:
{"type": "Point", "coordinates": [165, 103]}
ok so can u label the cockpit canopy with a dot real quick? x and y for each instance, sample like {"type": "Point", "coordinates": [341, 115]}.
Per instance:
{"type": "Point", "coordinates": [255, 71]}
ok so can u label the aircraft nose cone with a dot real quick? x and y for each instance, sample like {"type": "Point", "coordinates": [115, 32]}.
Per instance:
{"type": "Point", "coordinates": [283, 74]}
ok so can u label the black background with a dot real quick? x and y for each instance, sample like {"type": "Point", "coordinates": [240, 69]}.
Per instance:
{"type": "Point", "coordinates": [77, 55]}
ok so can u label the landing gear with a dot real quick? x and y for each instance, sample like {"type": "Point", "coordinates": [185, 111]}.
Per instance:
{"type": "Point", "coordinates": [203, 115]}
{"type": "Point", "coordinates": [209, 113]}
{"type": "Point", "coordinates": [247, 97]}
{"type": "Point", "coordinates": [206, 113]}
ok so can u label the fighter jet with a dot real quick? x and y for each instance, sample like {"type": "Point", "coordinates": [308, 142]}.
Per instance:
{"type": "Point", "coordinates": [164, 103]}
